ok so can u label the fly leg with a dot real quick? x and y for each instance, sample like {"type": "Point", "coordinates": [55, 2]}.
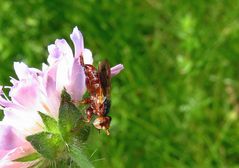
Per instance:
{"type": "Point", "coordinates": [89, 113]}
{"type": "Point", "coordinates": [82, 102]}
{"type": "Point", "coordinates": [89, 110]}
{"type": "Point", "coordinates": [85, 101]}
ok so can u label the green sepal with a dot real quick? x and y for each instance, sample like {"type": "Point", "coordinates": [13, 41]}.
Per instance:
{"type": "Point", "coordinates": [65, 96]}
{"type": "Point", "coordinates": [84, 133]}
{"type": "Point", "coordinates": [28, 158]}
{"type": "Point", "coordinates": [50, 123]}
{"type": "Point", "coordinates": [69, 117]}
{"type": "Point", "coordinates": [49, 145]}
{"type": "Point", "coordinates": [79, 157]}
{"type": "Point", "coordinates": [81, 133]}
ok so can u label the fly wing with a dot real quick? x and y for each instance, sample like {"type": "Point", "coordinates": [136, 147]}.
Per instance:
{"type": "Point", "coordinates": [105, 78]}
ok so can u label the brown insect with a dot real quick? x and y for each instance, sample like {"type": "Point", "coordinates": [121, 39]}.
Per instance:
{"type": "Point", "coordinates": [98, 83]}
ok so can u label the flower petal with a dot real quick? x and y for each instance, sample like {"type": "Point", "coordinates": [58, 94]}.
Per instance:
{"type": "Point", "coordinates": [64, 48]}
{"type": "Point", "coordinates": [116, 69]}
{"type": "Point", "coordinates": [9, 139]}
{"type": "Point", "coordinates": [25, 93]}
{"type": "Point", "coordinates": [9, 164]}
{"type": "Point", "coordinates": [26, 122]}
{"type": "Point", "coordinates": [53, 96]}
{"type": "Point", "coordinates": [7, 156]}
{"type": "Point", "coordinates": [54, 54]}
{"type": "Point", "coordinates": [3, 102]}
{"type": "Point", "coordinates": [87, 56]}
{"type": "Point", "coordinates": [78, 41]}
{"type": "Point", "coordinates": [63, 74]}
{"type": "Point", "coordinates": [58, 50]}
{"type": "Point", "coordinates": [77, 86]}
{"type": "Point", "coordinates": [21, 70]}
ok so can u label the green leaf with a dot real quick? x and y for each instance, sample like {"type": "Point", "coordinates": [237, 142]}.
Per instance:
{"type": "Point", "coordinates": [69, 117]}
{"type": "Point", "coordinates": [79, 158]}
{"type": "Point", "coordinates": [28, 158]}
{"type": "Point", "coordinates": [47, 144]}
{"type": "Point", "coordinates": [50, 123]}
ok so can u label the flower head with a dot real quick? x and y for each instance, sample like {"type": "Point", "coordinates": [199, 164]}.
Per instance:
{"type": "Point", "coordinates": [36, 91]}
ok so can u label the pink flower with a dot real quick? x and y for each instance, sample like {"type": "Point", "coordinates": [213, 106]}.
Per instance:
{"type": "Point", "coordinates": [39, 90]}
{"type": "Point", "coordinates": [28, 96]}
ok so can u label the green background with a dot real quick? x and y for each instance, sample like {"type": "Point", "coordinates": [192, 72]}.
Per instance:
{"type": "Point", "coordinates": [176, 103]}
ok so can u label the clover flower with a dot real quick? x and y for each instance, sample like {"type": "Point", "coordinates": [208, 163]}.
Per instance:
{"type": "Point", "coordinates": [39, 114]}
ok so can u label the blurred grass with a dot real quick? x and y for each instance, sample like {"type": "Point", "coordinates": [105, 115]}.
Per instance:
{"type": "Point", "coordinates": [176, 103]}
